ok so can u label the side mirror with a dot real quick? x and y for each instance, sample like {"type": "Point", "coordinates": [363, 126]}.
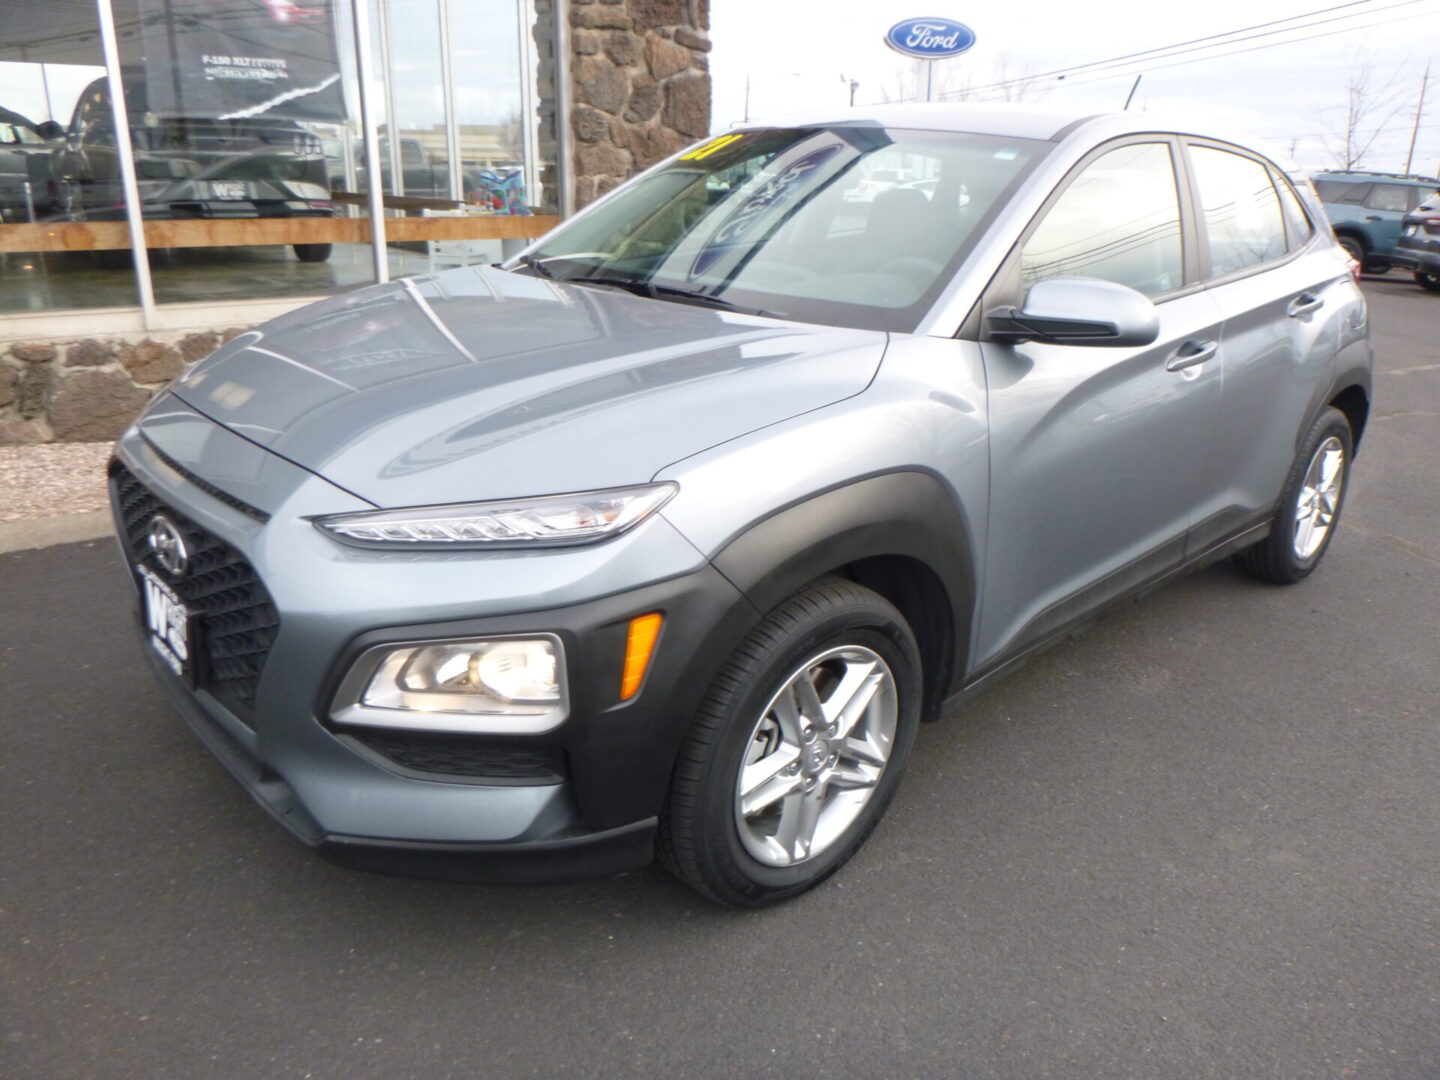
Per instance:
{"type": "Point", "coordinates": [1077, 311]}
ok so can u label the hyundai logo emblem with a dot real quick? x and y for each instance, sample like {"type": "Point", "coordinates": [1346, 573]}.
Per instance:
{"type": "Point", "coordinates": [168, 545]}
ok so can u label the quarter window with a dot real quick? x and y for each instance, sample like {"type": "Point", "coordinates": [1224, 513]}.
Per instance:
{"type": "Point", "coordinates": [1119, 220]}
{"type": "Point", "coordinates": [1296, 219]}
{"type": "Point", "coordinates": [1394, 197]}
{"type": "Point", "coordinates": [1240, 210]}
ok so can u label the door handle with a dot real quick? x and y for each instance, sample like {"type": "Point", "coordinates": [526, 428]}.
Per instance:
{"type": "Point", "coordinates": [1303, 305]}
{"type": "Point", "coordinates": [1373, 217]}
{"type": "Point", "coordinates": [1190, 354]}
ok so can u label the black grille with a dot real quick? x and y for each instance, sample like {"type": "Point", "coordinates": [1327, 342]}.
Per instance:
{"type": "Point", "coordinates": [459, 755]}
{"type": "Point", "coordinates": [207, 487]}
{"type": "Point", "coordinates": [237, 617]}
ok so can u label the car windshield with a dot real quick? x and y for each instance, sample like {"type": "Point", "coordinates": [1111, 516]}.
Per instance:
{"type": "Point", "coordinates": [795, 222]}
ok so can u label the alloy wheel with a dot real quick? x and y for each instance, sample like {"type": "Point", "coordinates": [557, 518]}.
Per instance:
{"type": "Point", "coordinates": [815, 755]}
{"type": "Point", "coordinates": [1319, 499]}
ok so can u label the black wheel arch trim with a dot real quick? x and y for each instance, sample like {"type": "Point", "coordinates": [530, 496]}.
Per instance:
{"type": "Point", "coordinates": [908, 514]}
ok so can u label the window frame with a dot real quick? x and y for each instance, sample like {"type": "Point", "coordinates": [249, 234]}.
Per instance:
{"type": "Point", "coordinates": [1202, 239]}
{"type": "Point", "coordinates": [1007, 286]}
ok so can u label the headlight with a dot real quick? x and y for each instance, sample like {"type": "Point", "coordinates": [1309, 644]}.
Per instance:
{"type": "Point", "coordinates": [503, 685]}
{"type": "Point", "coordinates": [556, 520]}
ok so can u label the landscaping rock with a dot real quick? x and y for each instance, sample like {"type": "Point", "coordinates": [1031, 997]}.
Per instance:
{"type": "Point", "coordinates": [95, 406]}
{"type": "Point", "coordinates": [152, 362]}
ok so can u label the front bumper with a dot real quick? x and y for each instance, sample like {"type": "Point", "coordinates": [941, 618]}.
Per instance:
{"type": "Point", "coordinates": [585, 798]}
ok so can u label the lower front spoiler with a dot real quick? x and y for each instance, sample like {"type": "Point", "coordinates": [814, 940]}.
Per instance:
{"type": "Point", "coordinates": [552, 860]}
{"type": "Point", "coordinates": [546, 862]}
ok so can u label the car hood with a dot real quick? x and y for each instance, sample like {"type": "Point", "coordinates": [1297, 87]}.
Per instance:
{"type": "Point", "coordinates": [480, 383]}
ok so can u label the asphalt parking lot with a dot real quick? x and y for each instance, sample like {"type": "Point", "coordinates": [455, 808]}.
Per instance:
{"type": "Point", "coordinates": [1201, 841]}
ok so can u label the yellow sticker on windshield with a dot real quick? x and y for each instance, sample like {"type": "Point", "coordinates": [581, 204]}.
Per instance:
{"type": "Point", "coordinates": [702, 152]}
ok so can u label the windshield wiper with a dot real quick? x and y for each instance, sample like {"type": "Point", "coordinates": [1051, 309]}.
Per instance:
{"type": "Point", "coordinates": [668, 292]}
{"type": "Point", "coordinates": [537, 265]}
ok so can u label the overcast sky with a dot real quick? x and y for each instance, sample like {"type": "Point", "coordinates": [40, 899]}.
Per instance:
{"type": "Point", "coordinates": [795, 52]}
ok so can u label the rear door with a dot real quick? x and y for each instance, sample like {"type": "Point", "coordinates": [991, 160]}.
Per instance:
{"type": "Point", "coordinates": [1283, 294]}
{"type": "Point", "coordinates": [1096, 452]}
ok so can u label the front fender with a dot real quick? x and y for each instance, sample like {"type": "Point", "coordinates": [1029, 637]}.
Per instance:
{"type": "Point", "coordinates": [906, 514]}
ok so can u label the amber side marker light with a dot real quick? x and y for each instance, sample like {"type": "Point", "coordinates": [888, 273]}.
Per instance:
{"type": "Point", "coordinates": [640, 644]}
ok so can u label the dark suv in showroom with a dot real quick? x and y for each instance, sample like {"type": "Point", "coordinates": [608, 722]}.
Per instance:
{"type": "Point", "coordinates": [1367, 210]}
{"type": "Point", "coordinates": [189, 167]}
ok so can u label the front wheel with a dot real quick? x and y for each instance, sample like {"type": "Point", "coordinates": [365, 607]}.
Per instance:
{"type": "Point", "coordinates": [1427, 281]}
{"type": "Point", "coordinates": [796, 750]}
{"type": "Point", "coordinates": [1309, 510]}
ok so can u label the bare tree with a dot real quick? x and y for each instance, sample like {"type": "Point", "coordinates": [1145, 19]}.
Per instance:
{"type": "Point", "coordinates": [1370, 105]}
{"type": "Point", "coordinates": [957, 79]}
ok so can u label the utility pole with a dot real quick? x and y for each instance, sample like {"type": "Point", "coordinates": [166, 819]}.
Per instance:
{"type": "Point", "coordinates": [1419, 108]}
{"type": "Point", "coordinates": [747, 99]}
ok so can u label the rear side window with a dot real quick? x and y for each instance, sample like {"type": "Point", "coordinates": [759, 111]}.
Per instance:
{"type": "Point", "coordinates": [1119, 220]}
{"type": "Point", "coordinates": [1239, 208]}
{"type": "Point", "coordinates": [1395, 197]}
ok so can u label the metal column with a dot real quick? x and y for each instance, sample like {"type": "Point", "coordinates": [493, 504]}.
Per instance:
{"type": "Point", "coordinates": [125, 154]}
{"type": "Point", "coordinates": [374, 183]}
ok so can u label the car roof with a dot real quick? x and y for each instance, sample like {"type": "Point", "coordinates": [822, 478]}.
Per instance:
{"type": "Point", "coordinates": [1024, 121]}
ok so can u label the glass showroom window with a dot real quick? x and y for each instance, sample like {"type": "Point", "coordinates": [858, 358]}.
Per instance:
{"type": "Point", "coordinates": [52, 71]}
{"type": "Point", "coordinates": [244, 121]}
{"type": "Point", "coordinates": [237, 116]}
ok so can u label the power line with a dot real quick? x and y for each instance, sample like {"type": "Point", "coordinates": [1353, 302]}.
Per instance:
{"type": "Point", "coordinates": [1303, 21]}
{"type": "Point", "coordinates": [1270, 44]}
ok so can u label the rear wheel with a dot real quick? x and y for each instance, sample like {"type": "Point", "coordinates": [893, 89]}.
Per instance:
{"type": "Point", "coordinates": [1427, 281]}
{"type": "Point", "coordinates": [1309, 510]}
{"type": "Point", "coordinates": [312, 253]}
{"type": "Point", "coordinates": [796, 750]}
{"type": "Point", "coordinates": [1353, 247]}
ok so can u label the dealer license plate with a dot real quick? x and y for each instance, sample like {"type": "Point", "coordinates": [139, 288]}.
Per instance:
{"type": "Point", "coordinates": [168, 624]}
{"type": "Point", "coordinates": [228, 189]}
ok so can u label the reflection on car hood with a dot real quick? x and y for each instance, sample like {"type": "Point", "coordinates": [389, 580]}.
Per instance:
{"type": "Point", "coordinates": [479, 383]}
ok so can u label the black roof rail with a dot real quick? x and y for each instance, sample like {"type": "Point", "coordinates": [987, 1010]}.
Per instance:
{"type": "Point", "coordinates": [1388, 175]}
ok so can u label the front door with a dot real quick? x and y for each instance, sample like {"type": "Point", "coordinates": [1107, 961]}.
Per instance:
{"type": "Point", "coordinates": [1096, 451]}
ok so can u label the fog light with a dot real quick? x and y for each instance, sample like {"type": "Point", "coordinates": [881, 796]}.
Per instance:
{"type": "Point", "coordinates": [514, 685]}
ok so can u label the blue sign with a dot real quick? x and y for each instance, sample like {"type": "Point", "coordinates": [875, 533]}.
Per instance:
{"type": "Point", "coordinates": [930, 39]}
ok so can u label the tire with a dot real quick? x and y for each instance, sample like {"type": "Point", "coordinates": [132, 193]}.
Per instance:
{"type": "Point", "coordinates": [1427, 281]}
{"type": "Point", "coordinates": [1291, 552]}
{"type": "Point", "coordinates": [312, 252]}
{"type": "Point", "coordinates": [1353, 247]}
{"type": "Point", "coordinates": [846, 643]}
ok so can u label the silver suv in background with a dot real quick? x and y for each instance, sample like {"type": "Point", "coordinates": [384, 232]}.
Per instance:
{"type": "Point", "coordinates": [665, 536]}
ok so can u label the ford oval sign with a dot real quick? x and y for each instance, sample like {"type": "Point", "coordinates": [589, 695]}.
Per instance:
{"type": "Point", "coordinates": [930, 39]}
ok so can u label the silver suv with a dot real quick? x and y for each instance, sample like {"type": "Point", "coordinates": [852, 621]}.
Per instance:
{"type": "Point", "coordinates": [667, 534]}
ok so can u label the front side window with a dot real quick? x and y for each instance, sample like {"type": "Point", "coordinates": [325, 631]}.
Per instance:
{"type": "Point", "coordinates": [1342, 191]}
{"type": "Point", "coordinates": [1239, 209]}
{"type": "Point", "coordinates": [1119, 220]}
{"type": "Point", "coordinates": [837, 225]}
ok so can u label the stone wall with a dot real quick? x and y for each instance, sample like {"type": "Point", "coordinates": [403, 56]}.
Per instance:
{"type": "Point", "coordinates": [89, 390]}
{"type": "Point", "coordinates": [641, 86]}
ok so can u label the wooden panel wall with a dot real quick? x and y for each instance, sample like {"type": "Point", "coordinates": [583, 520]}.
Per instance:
{"type": "Point", "coordinates": [112, 235]}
